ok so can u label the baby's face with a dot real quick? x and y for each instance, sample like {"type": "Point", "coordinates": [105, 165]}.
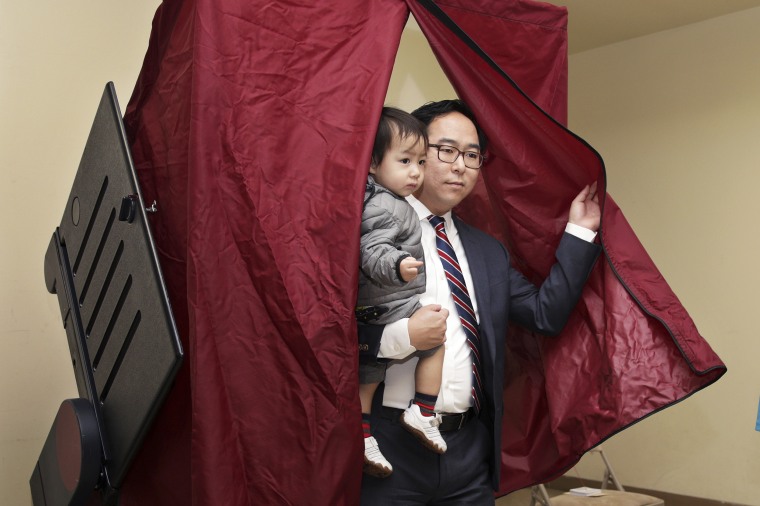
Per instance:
{"type": "Point", "coordinates": [401, 170]}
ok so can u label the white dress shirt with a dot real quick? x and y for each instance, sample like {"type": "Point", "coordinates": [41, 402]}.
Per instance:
{"type": "Point", "coordinates": [454, 396]}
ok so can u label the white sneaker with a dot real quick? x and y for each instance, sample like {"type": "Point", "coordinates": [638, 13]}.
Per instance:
{"type": "Point", "coordinates": [375, 463]}
{"type": "Point", "coordinates": [424, 427]}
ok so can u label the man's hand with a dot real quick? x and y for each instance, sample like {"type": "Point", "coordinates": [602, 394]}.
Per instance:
{"type": "Point", "coordinates": [585, 211]}
{"type": "Point", "coordinates": [427, 327]}
{"type": "Point", "coordinates": [409, 268]}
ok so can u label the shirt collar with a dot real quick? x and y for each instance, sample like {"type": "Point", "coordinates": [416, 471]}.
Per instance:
{"type": "Point", "coordinates": [423, 212]}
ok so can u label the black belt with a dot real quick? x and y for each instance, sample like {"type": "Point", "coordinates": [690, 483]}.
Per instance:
{"type": "Point", "coordinates": [449, 422]}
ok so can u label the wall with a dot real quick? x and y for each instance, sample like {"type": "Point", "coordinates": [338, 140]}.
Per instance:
{"type": "Point", "coordinates": [676, 116]}
{"type": "Point", "coordinates": [417, 78]}
{"type": "Point", "coordinates": [55, 59]}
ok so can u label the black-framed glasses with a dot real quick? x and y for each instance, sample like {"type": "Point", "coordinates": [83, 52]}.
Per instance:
{"type": "Point", "coordinates": [449, 154]}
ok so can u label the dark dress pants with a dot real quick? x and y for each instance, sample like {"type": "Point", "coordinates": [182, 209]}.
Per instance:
{"type": "Point", "coordinates": [458, 477]}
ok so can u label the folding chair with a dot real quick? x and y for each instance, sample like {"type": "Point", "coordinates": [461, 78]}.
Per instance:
{"type": "Point", "coordinates": [618, 497]}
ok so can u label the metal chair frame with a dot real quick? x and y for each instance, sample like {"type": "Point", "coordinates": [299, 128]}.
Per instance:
{"type": "Point", "coordinates": [539, 495]}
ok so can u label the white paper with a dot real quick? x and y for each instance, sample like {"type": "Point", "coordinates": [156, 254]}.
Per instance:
{"type": "Point", "coordinates": [586, 492]}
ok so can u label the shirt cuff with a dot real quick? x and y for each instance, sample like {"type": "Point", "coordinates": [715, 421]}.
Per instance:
{"type": "Point", "coordinates": [584, 233]}
{"type": "Point", "coordinates": [395, 342]}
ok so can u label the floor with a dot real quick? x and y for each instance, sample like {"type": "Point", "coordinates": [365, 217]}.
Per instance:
{"type": "Point", "coordinates": [516, 498]}
{"type": "Point", "coordinates": [521, 497]}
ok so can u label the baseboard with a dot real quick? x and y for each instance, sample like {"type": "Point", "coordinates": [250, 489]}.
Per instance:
{"type": "Point", "coordinates": [568, 482]}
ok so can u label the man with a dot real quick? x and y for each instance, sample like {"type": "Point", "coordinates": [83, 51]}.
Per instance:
{"type": "Point", "coordinates": [494, 293]}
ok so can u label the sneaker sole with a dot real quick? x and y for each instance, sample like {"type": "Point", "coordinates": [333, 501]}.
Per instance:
{"type": "Point", "coordinates": [376, 470]}
{"type": "Point", "coordinates": [422, 438]}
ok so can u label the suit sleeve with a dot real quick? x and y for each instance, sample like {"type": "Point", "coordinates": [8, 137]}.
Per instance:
{"type": "Point", "coordinates": [547, 308]}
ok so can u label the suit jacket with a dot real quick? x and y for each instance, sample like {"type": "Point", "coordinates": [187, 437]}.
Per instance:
{"type": "Point", "coordinates": [503, 295]}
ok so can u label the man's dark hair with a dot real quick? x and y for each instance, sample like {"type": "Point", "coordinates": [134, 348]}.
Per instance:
{"type": "Point", "coordinates": [432, 110]}
{"type": "Point", "coordinates": [396, 122]}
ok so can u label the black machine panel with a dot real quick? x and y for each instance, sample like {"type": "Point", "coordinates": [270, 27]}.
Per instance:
{"type": "Point", "coordinates": [102, 265]}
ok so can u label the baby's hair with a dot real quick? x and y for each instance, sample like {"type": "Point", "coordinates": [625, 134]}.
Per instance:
{"type": "Point", "coordinates": [396, 122]}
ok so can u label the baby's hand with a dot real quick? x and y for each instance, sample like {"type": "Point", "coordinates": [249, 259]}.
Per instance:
{"type": "Point", "coordinates": [409, 268]}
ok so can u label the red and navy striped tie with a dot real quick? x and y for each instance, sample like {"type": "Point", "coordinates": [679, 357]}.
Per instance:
{"type": "Point", "coordinates": [463, 303]}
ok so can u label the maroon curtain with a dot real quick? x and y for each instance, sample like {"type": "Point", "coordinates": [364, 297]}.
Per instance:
{"type": "Point", "coordinates": [630, 349]}
{"type": "Point", "coordinates": [251, 125]}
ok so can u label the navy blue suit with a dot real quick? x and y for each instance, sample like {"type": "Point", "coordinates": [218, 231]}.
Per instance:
{"type": "Point", "coordinates": [503, 295]}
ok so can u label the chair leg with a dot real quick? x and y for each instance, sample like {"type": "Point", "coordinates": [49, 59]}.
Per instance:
{"type": "Point", "coordinates": [610, 472]}
{"type": "Point", "coordinates": [539, 495]}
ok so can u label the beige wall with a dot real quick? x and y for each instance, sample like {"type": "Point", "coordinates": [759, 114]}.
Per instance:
{"type": "Point", "coordinates": [55, 59]}
{"type": "Point", "coordinates": [676, 116]}
{"type": "Point", "coordinates": [417, 78]}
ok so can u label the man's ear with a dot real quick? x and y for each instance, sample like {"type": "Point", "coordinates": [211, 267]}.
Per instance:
{"type": "Point", "coordinates": [372, 168]}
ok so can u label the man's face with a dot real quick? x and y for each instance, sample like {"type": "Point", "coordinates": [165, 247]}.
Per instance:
{"type": "Point", "coordinates": [447, 184]}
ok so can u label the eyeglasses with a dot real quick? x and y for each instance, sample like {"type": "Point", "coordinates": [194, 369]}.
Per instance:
{"type": "Point", "coordinates": [449, 154]}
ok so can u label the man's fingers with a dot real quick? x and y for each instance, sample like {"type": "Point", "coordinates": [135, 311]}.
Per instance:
{"type": "Point", "coordinates": [589, 192]}
{"type": "Point", "coordinates": [592, 191]}
{"type": "Point", "coordinates": [583, 194]}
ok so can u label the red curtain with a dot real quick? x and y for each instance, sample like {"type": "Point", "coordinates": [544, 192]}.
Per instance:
{"type": "Point", "coordinates": [251, 125]}
{"type": "Point", "coordinates": [630, 348]}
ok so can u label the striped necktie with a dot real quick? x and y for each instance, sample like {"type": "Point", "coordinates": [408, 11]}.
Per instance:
{"type": "Point", "coordinates": [463, 303]}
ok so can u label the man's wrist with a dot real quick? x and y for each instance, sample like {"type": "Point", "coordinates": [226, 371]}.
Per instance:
{"type": "Point", "coordinates": [580, 232]}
